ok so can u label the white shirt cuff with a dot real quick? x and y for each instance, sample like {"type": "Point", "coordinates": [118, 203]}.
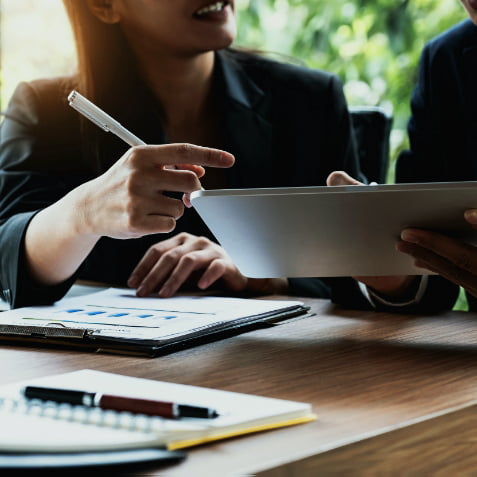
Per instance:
{"type": "Point", "coordinates": [373, 298]}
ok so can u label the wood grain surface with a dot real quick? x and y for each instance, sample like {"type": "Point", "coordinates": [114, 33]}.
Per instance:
{"type": "Point", "coordinates": [375, 380]}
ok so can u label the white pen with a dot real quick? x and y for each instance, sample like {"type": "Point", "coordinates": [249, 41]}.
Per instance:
{"type": "Point", "coordinates": [101, 119]}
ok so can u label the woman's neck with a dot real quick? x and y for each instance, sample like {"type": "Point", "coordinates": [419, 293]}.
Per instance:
{"type": "Point", "coordinates": [183, 88]}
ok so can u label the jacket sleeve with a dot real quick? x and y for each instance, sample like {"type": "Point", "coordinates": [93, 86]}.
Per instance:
{"type": "Point", "coordinates": [438, 148]}
{"type": "Point", "coordinates": [436, 125]}
{"type": "Point", "coordinates": [26, 187]}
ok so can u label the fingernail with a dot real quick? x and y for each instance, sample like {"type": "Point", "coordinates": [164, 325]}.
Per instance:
{"type": "Point", "coordinates": [400, 246]}
{"type": "Point", "coordinates": [420, 264]}
{"type": "Point", "coordinates": [186, 200]}
{"type": "Point", "coordinates": [405, 247]}
{"type": "Point", "coordinates": [471, 216]}
{"type": "Point", "coordinates": [133, 281]}
{"type": "Point", "coordinates": [141, 291]}
{"type": "Point", "coordinates": [227, 158]}
{"type": "Point", "coordinates": [164, 292]}
{"type": "Point", "coordinates": [409, 236]}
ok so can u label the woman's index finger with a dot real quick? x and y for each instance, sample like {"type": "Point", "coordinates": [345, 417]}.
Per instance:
{"type": "Point", "coordinates": [183, 153]}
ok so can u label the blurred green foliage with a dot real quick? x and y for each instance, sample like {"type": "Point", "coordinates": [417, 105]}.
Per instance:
{"type": "Point", "coordinates": [373, 45]}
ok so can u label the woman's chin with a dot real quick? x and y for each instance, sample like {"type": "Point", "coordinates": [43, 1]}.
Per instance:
{"type": "Point", "coordinates": [217, 43]}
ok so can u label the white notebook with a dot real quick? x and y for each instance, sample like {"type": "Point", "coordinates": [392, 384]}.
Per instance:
{"type": "Point", "coordinates": [34, 426]}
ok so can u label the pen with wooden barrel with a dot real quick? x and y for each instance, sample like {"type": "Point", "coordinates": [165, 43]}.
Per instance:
{"type": "Point", "coordinates": [171, 410]}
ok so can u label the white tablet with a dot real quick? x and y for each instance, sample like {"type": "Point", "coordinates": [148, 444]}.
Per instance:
{"type": "Point", "coordinates": [331, 231]}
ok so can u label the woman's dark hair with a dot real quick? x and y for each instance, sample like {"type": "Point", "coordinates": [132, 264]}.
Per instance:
{"type": "Point", "coordinates": [105, 66]}
{"type": "Point", "coordinates": [103, 53]}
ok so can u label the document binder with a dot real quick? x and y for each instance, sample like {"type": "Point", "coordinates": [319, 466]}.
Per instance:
{"type": "Point", "coordinates": [115, 320]}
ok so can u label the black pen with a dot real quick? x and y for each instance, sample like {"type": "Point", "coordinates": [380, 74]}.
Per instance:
{"type": "Point", "coordinates": [119, 403]}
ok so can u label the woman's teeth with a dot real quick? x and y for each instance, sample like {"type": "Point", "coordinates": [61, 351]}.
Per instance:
{"type": "Point", "coordinates": [213, 7]}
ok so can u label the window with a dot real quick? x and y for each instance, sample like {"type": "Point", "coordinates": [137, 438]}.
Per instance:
{"type": "Point", "coordinates": [35, 41]}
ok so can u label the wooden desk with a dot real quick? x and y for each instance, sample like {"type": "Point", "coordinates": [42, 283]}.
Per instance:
{"type": "Point", "coordinates": [375, 380]}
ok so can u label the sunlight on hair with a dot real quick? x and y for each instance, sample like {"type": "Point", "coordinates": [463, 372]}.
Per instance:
{"type": "Point", "coordinates": [36, 42]}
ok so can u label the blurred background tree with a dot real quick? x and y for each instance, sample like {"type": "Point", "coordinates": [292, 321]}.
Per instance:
{"type": "Point", "coordinates": [373, 45]}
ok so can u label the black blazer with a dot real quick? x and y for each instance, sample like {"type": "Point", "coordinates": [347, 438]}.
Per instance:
{"type": "Point", "coordinates": [286, 125]}
{"type": "Point", "coordinates": [443, 126]}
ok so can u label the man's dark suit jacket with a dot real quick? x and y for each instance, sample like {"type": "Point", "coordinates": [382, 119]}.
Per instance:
{"type": "Point", "coordinates": [443, 126]}
{"type": "Point", "coordinates": [286, 125]}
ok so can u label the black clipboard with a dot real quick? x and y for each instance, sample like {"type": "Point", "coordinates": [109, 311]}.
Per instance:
{"type": "Point", "coordinates": [86, 339]}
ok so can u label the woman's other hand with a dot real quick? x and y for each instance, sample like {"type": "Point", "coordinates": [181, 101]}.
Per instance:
{"type": "Point", "coordinates": [167, 265]}
{"type": "Point", "coordinates": [451, 258]}
{"type": "Point", "coordinates": [389, 286]}
{"type": "Point", "coordinates": [341, 178]}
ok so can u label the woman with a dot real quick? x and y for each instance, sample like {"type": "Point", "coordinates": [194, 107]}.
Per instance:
{"type": "Point", "coordinates": [442, 132]}
{"type": "Point", "coordinates": [71, 209]}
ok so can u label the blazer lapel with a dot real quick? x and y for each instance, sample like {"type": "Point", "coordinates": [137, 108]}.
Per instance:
{"type": "Point", "coordinates": [243, 106]}
{"type": "Point", "coordinates": [470, 103]}
{"type": "Point", "coordinates": [248, 134]}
